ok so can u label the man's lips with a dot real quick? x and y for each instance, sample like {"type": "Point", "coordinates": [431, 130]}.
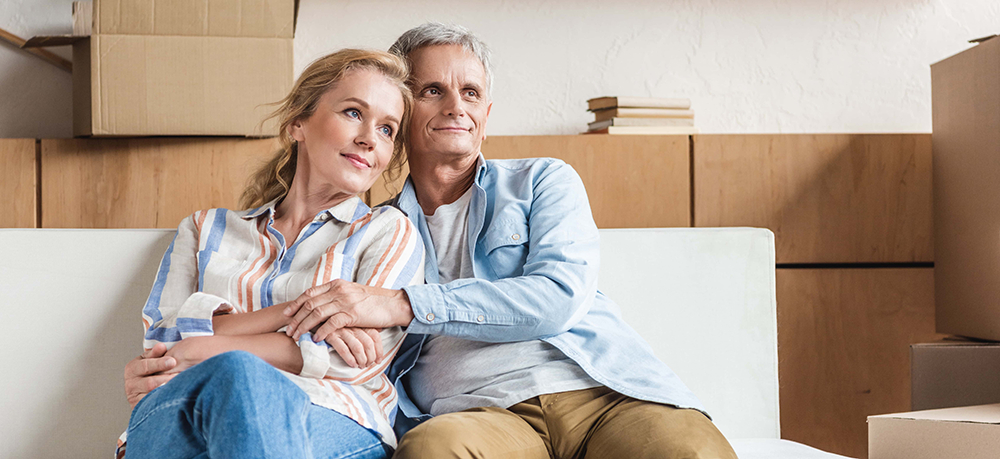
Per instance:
{"type": "Point", "coordinates": [453, 129]}
{"type": "Point", "coordinates": [358, 161]}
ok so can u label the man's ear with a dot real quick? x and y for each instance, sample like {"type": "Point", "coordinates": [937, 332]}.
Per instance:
{"type": "Point", "coordinates": [488, 108]}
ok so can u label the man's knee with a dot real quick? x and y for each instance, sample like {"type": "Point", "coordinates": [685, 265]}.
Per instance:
{"type": "Point", "coordinates": [436, 437]}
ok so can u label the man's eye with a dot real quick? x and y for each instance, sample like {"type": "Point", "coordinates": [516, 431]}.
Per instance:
{"type": "Point", "coordinates": [471, 93]}
{"type": "Point", "coordinates": [432, 92]}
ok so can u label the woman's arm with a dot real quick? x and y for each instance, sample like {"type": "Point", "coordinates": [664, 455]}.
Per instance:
{"type": "Point", "coordinates": [265, 320]}
{"type": "Point", "coordinates": [276, 349]}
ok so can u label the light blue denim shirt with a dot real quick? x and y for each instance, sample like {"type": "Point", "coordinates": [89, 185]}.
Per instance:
{"type": "Point", "coordinates": [535, 251]}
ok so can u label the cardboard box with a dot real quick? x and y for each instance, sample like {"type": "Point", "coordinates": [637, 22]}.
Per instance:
{"type": "Point", "coordinates": [954, 373]}
{"type": "Point", "coordinates": [965, 92]}
{"type": "Point", "coordinates": [183, 67]}
{"type": "Point", "coordinates": [971, 432]}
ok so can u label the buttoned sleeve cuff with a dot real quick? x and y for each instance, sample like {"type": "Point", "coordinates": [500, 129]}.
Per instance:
{"type": "Point", "coordinates": [315, 357]}
{"type": "Point", "coordinates": [194, 318]}
{"type": "Point", "coordinates": [435, 314]}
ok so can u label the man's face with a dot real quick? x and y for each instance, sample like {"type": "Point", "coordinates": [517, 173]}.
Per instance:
{"type": "Point", "coordinates": [451, 105]}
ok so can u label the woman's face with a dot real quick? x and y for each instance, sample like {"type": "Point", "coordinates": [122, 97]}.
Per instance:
{"type": "Point", "coordinates": [348, 141]}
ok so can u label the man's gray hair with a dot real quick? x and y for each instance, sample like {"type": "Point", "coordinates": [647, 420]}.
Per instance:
{"type": "Point", "coordinates": [436, 33]}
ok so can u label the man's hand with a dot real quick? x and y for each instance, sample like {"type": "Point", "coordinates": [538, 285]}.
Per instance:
{"type": "Point", "coordinates": [146, 372]}
{"type": "Point", "coordinates": [342, 304]}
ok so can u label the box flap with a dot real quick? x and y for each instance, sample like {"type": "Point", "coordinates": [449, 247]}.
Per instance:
{"type": "Point", "coordinates": [982, 39]}
{"type": "Point", "coordinates": [219, 18]}
{"type": "Point", "coordinates": [52, 40]}
{"type": "Point", "coordinates": [979, 414]}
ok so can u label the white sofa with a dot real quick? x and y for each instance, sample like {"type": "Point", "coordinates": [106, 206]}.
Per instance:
{"type": "Point", "coordinates": [70, 299]}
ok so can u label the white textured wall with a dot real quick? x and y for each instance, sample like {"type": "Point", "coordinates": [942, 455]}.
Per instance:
{"type": "Point", "coordinates": [748, 66]}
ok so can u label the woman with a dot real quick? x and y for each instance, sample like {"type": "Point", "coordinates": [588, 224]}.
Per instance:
{"type": "Point", "coordinates": [305, 226]}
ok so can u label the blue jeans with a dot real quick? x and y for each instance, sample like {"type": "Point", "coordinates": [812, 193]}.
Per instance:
{"type": "Point", "coordinates": [235, 405]}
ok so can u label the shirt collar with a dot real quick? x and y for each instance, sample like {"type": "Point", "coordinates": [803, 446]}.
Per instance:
{"type": "Point", "coordinates": [348, 211]}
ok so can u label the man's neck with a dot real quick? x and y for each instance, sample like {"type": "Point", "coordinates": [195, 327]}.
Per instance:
{"type": "Point", "coordinates": [438, 182]}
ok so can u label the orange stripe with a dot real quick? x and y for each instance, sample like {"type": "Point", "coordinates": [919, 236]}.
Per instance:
{"type": "Point", "coordinates": [249, 290]}
{"type": "Point", "coordinates": [260, 273]}
{"type": "Point", "coordinates": [359, 223]}
{"type": "Point", "coordinates": [200, 221]}
{"type": "Point", "coordinates": [382, 383]}
{"type": "Point", "coordinates": [384, 406]}
{"type": "Point", "coordinates": [385, 254]}
{"type": "Point", "coordinates": [319, 267]}
{"type": "Point", "coordinates": [145, 324]}
{"type": "Point", "coordinates": [395, 257]}
{"type": "Point", "coordinates": [388, 390]}
{"type": "Point", "coordinates": [352, 411]}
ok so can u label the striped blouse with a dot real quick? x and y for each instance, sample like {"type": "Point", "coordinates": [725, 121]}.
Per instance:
{"type": "Point", "coordinates": [224, 261]}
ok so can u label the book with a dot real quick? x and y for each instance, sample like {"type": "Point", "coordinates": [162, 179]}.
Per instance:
{"type": "Point", "coordinates": [606, 114]}
{"type": "Point", "coordinates": [646, 130]}
{"type": "Point", "coordinates": [598, 103]}
{"type": "Point", "coordinates": [640, 122]}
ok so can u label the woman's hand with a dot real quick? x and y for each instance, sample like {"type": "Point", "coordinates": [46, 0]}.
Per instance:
{"type": "Point", "coordinates": [358, 347]}
{"type": "Point", "coordinates": [147, 372]}
{"type": "Point", "coordinates": [191, 351]}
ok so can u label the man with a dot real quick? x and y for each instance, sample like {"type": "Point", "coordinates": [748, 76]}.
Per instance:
{"type": "Point", "coordinates": [519, 354]}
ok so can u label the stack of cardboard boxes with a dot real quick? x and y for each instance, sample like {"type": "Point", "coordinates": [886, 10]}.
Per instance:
{"type": "Point", "coordinates": [179, 67]}
{"type": "Point", "coordinates": [957, 382]}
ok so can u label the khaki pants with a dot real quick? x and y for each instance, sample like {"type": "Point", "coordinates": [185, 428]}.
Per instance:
{"type": "Point", "coordinates": [587, 424]}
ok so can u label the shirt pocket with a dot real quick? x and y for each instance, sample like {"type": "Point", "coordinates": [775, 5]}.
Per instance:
{"type": "Point", "coordinates": [217, 274]}
{"type": "Point", "coordinates": [506, 245]}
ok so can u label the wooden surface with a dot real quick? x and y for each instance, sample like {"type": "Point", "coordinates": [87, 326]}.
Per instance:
{"type": "Point", "coordinates": [17, 183]}
{"type": "Point", "coordinates": [143, 182]}
{"type": "Point", "coordinates": [632, 181]}
{"type": "Point", "coordinates": [829, 198]}
{"type": "Point", "coordinates": [843, 349]}
{"type": "Point", "coordinates": [965, 91]}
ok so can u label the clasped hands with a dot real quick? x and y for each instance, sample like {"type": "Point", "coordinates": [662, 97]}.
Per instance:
{"type": "Point", "coordinates": [348, 315]}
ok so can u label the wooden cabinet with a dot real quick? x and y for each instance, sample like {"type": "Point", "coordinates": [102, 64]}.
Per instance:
{"type": "Point", "coordinates": [843, 349]}
{"type": "Point", "coordinates": [143, 183]}
{"type": "Point", "coordinates": [829, 198]}
{"type": "Point", "coordinates": [18, 184]}
{"type": "Point", "coordinates": [632, 181]}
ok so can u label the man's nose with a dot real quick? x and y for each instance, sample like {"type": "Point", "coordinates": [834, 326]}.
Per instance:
{"type": "Point", "coordinates": [453, 104]}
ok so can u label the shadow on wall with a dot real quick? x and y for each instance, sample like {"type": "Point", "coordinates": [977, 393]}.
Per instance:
{"type": "Point", "coordinates": [37, 97]}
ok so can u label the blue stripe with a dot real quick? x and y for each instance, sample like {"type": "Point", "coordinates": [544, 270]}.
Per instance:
{"type": "Point", "coordinates": [350, 247]}
{"type": "Point", "coordinates": [307, 336]}
{"type": "Point", "coordinates": [368, 410]}
{"type": "Point", "coordinates": [164, 335]}
{"type": "Point", "coordinates": [267, 297]}
{"type": "Point", "coordinates": [410, 269]}
{"type": "Point", "coordinates": [189, 325]}
{"type": "Point", "coordinates": [211, 245]}
{"type": "Point", "coordinates": [360, 211]}
{"type": "Point", "coordinates": [152, 307]}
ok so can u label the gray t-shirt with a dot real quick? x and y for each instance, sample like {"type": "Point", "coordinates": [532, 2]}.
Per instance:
{"type": "Point", "coordinates": [454, 374]}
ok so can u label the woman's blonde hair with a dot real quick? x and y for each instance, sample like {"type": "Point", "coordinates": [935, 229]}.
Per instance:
{"type": "Point", "coordinates": [274, 177]}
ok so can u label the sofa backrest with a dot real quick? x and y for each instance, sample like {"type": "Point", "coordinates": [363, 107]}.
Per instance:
{"type": "Point", "coordinates": [70, 303]}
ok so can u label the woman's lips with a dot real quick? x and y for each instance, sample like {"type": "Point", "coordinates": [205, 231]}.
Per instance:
{"type": "Point", "coordinates": [357, 161]}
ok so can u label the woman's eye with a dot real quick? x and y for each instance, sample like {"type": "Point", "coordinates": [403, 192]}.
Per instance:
{"type": "Point", "coordinates": [353, 113]}
{"type": "Point", "coordinates": [386, 130]}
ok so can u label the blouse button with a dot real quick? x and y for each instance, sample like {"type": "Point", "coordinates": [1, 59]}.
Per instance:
{"type": "Point", "coordinates": [430, 317]}
{"type": "Point", "coordinates": [515, 236]}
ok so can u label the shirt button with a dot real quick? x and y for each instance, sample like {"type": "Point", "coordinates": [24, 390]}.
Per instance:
{"type": "Point", "coordinates": [515, 236]}
{"type": "Point", "coordinates": [430, 317]}
{"type": "Point", "coordinates": [480, 318]}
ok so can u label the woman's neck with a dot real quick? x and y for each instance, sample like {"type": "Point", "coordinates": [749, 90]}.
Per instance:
{"type": "Point", "coordinates": [299, 207]}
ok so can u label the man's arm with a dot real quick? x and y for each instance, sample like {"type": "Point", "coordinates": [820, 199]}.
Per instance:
{"type": "Point", "coordinates": [555, 290]}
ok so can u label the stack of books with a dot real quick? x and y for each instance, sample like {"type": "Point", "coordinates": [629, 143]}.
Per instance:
{"type": "Point", "coordinates": [641, 115]}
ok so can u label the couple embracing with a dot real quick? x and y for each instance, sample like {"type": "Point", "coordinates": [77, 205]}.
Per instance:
{"type": "Point", "coordinates": [460, 319]}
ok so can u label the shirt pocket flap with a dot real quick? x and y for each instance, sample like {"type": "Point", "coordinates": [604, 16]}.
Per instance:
{"type": "Point", "coordinates": [505, 233]}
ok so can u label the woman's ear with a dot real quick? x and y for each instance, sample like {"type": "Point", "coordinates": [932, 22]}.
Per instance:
{"type": "Point", "coordinates": [295, 130]}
